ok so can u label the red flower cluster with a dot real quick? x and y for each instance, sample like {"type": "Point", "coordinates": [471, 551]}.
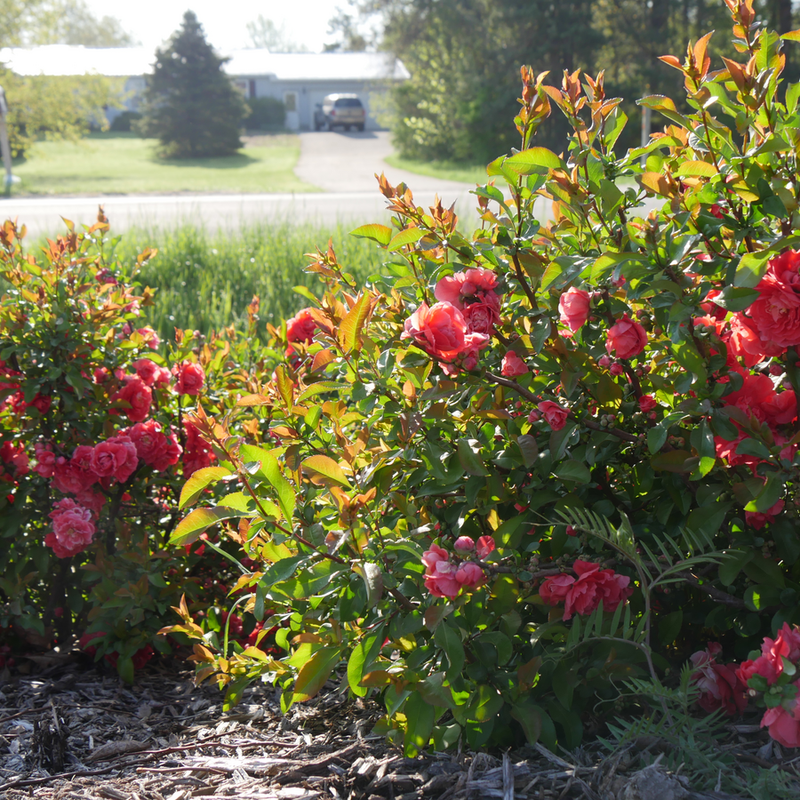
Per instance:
{"type": "Point", "coordinates": [73, 529]}
{"type": "Point", "coordinates": [582, 595]}
{"type": "Point", "coordinates": [197, 453]}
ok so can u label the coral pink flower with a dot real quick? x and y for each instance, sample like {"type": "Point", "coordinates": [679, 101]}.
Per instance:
{"type": "Point", "coordinates": [759, 519]}
{"type": "Point", "coordinates": [150, 372]}
{"type": "Point", "coordinates": [301, 327]}
{"type": "Point", "coordinates": [469, 575]}
{"type": "Point", "coordinates": [190, 378]}
{"type": "Point", "coordinates": [626, 338]}
{"type": "Point", "coordinates": [115, 458]}
{"type": "Point", "coordinates": [719, 684]}
{"type": "Point", "coordinates": [137, 395]}
{"type": "Point", "coordinates": [14, 454]}
{"type": "Point", "coordinates": [554, 590]}
{"type": "Point", "coordinates": [482, 315]}
{"type": "Point", "coordinates": [150, 337]}
{"type": "Point", "coordinates": [155, 448]}
{"type": "Point", "coordinates": [647, 403]}
{"type": "Point", "coordinates": [485, 546]}
{"type": "Point", "coordinates": [463, 545]}
{"type": "Point", "coordinates": [45, 460]}
{"type": "Point", "coordinates": [574, 308]}
{"type": "Point", "coordinates": [776, 311]}
{"type": "Point", "coordinates": [555, 415]}
{"type": "Point", "coordinates": [593, 586]}
{"type": "Point", "coordinates": [783, 725]}
{"type": "Point", "coordinates": [744, 342]}
{"type": "Point", "coordinates": [440, 329]}
{"type": "Point", "coordinates": [785, 645]}
{"type": "Point", "coordinates": [513, 366]}
{"type": "Point", "coordinates": [454, 289]}
{"type": "Point", "coordinates": [73, 529]}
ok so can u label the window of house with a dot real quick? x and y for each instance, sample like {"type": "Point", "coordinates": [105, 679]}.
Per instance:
{"type": "Point", "coordinates": [290, 101]}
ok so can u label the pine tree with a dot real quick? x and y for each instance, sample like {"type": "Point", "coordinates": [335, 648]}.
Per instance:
{"type": "Point", "coordinates": [190, 104]}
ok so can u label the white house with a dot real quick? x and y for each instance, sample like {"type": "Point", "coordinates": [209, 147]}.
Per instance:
{"type": "Point", "coordinates": [300, 80]}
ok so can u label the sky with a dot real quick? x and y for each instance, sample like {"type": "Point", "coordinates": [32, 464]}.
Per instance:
{"type": "Point", "coordinates": [153, 21]}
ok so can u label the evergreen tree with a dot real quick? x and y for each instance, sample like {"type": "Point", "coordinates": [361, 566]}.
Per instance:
{"type": "Point", "coordinates": [190, 104]}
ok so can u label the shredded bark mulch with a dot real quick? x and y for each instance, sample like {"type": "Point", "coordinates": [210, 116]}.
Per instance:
{"type": "Point", "coordinates": [76, 731]}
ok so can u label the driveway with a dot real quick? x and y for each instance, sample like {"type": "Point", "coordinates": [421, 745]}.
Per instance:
{"type": "Point", "coordinates": [343, 165]}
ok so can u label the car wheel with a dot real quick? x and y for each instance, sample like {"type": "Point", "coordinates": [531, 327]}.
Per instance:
{"type": "Point", "coordinates": [360, 127]}
{"type": "Point", "coordinates": [347, 127]}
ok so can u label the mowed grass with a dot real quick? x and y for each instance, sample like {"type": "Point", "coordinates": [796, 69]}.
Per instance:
{"type": "Point", "coordinates": [123, 163]}
{"type": "Point", "coordinates": [446, 170]}
{"type": "Point", "coordinates": [204, 281]}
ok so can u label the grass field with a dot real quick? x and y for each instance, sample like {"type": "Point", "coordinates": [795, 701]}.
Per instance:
{"type": "Point", "coordinates": [447, 170]}
{"type": "Point", "coordinates": [205, 281]}
{"type": "Point", "coordinates": [122, 163]}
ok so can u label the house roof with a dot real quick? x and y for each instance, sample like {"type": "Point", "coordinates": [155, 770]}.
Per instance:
{"type": "Point", "coordinates": [63, 59]}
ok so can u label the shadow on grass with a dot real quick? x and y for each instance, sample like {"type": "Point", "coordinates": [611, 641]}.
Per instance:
{"type": "Point", "coordinates": [237, 161]}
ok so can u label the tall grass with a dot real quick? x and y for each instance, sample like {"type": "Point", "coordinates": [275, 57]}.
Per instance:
{"type": "Point", "coordinates": [204, 281]}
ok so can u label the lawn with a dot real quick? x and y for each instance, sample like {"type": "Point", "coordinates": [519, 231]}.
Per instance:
{"type": "Point", "coordinates": [123, 163]}
{"type": "Point", "coordinates": [446, 170]}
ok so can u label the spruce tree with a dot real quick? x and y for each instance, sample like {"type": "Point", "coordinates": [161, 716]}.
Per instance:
{"type": "Point", "coordinates": [190, 104]}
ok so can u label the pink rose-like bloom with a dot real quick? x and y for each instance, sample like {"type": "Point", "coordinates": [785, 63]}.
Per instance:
{"type": "Point", "coordinates": [485, 546]}
{"type": "Point", "coordinates": [155, 448]}
{"type": "Point", "coordinates": [76, 475]}
{"type": "Point", "coordinates": [464, 544]}
{"type": "Point", "coordinates": [150, 372]}
{"type": "Point", "coordinates": [73, 529]}
{"type": "Point", "coordinates": [719, 684]}
{"type": "Point", "coordinates": [626, 338]}
{"type": "Point", "coordinates": [744, 342]}
{"type": "Point", "coordinates": [647, 403]}
{"type": "Point", "coordinates": [604, 361]}
{"type": "Point", "coordinates": [593, 586]}
{"type": "Point", "coordinates": [454, 289]}
{"type": "Point", "coordinates": [783, 725]}
{"type": "Point", "coordinates": [616, 369]}
{"type": "Point", "coordinates": [139, 397]}
{"type": "Point", "coordinates": [115, 458]}
{"type": "Point", "coordinates": [785, 645]}
{"type": "Point", "coordinates": [482, 315]}
{"type": "Point", "coordinates": [469, 575]}
{"type": "Point", "coordinates": [190, 378]}
{"type": "Point", "coordinates": [473, 344]}
{"type": "Point", "coordinates": [440, 329]}
{"type": "Point", "coordinates": [45, 460]}
{"type": "Point", "coordinates": [433, 555]}
{"type": "Point", "coordinates": [92, 500]}
{"type": "Point", "coordinates": [776, 311]}
{"type": "Point", "coordinates": [301, 327]}
{"type": "Point", "coordinates": [554, 414]}
{"type": "Point", "coordinates": [574, 308]}
{"type": "Point", "coordinates": [758, 519]}
{"type": "Point", "coordinates": [554, 590]}
{"type": "Point", "coordinates": [513, 366]}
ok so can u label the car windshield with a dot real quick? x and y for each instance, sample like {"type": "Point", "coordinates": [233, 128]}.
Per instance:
{"type": "Point", "coordinates": [348, 102]}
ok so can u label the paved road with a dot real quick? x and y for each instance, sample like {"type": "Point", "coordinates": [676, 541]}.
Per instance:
{"type": "Point", "coordinates": [343, 165]}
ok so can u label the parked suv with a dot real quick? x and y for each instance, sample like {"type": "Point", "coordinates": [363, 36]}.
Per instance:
{"type": "Point", "coordinates": [344, 110]}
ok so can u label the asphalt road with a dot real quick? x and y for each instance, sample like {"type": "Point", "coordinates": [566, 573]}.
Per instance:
{"type": "Point", "coordinates": [342, 165]}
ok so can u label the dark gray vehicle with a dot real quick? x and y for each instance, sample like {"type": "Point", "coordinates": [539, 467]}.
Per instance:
{"type": "Point", "coordinates": [344, 110]}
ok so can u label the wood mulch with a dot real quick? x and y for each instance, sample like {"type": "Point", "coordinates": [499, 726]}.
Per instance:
{"type": "Point", "coordinates": [72, 730]}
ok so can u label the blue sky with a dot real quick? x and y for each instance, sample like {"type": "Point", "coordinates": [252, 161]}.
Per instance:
{"type": "Point", "coordinates": [152, 21]}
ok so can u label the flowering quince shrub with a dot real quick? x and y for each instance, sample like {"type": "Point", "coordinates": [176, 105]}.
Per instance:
{"type": "Point", "coordinates": [94, 446]}
{"type": "Point", "coordinates": [523, 466]}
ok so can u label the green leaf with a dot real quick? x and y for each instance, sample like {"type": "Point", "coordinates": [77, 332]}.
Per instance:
{"type": "Point", "coordinates": [484, 704]}
{"type": "Point", "coordinates": [736, 298]}
{"type": "Point", "coordinates": [321, 387]}
{"type": "Point", "coordinates": [378, 233]}
{"type": "Point", "coordinates": [447, 639]}
{"type": "Point", "coordinates": [198, 481]}
{"type": "Point", "coordinates": [469, 457]}
{"type": "Point", "coordinates": [696, 169]}
{"type": "Point", "coordinates": [656, 437]}
{"type": "Point", "coordinates": [189, 529]}
{"type": "Point", "coordinates": [408, 236]}
{"type": "Point", "coordinates": [271, 471]}
{"type": "Point", "coordinates": [770, 494]}
{"type": "Point", "coordinates": [352, 325]}
{"type": "Point", "coordinates": [751, 269]}
{"type": "Point", "coordinates": [324, 470]}
{"type": "Point", "coordinates": [572, 470]}
{"type": "Point", "coordinates": [314, 673]}
{"type": "Point", "coordinates": [420, 716]}
{"type": "Point", "coordinates": [752, 447]}
{"type": "Point", "coordinates": [674, 461]}
{"type": "Point", "coordinates": [362, 658]}
{"type": "Point", "coordinates": [536, 159]}
{"type": "Point", "coordinates": [373, 581]}
{"type": "Point", "coordinates": [529, 449]}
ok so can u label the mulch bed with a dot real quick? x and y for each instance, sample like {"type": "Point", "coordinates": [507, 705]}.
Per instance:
{"type": "Point", "coordinates": [72, 730]}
